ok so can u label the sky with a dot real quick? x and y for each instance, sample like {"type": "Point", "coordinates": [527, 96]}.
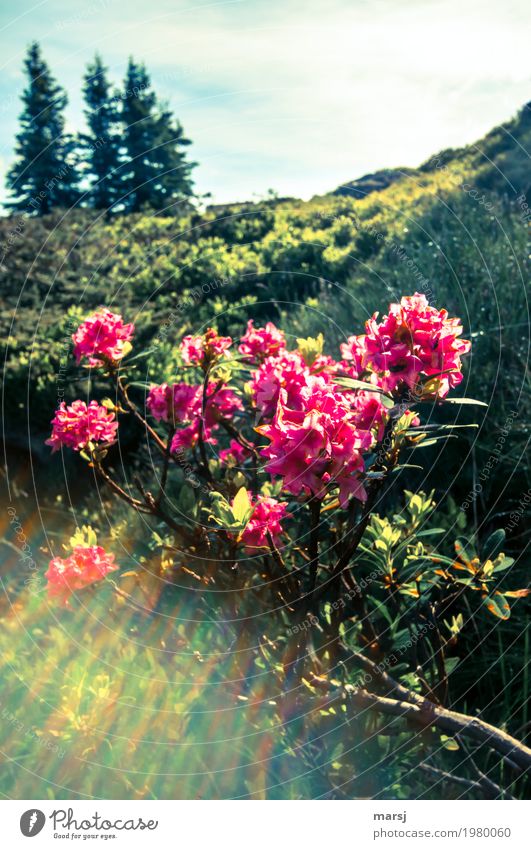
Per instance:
{"type": "Point", "coordinates": [297, 96]}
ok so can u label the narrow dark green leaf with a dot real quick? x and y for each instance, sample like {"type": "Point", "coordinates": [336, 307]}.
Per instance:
{"type": "Point", "coordinates": [465, 401]}
{"type": "Point", "coordinates": [353, 383]}
{"type": "Point", "coordinates": [493, 544]}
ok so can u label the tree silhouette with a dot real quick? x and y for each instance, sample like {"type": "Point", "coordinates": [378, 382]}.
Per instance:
{"type": "Point", "coordinates": [156, 173]}
{"type": "Point", "coordinates": [44, 175]}
{"type": "Point", "coordinates": [101, 145]}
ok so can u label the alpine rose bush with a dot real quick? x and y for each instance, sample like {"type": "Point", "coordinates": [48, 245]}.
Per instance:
{"type": "Point", "coordinates": [103, 335]}
{"type": "Point", "coordinates": [319, 432]}
{"type": "Point", "coordinates": [77, 425]}
{"type": "Point", "coordinates": [283, 538]}
{"type": "Point", "coordinates": [84, 566]}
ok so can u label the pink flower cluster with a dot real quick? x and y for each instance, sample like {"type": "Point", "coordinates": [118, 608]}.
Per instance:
{"type": "Point", "coordinates": [411, 344]}
{"type": "Point", "coordinates": [234, 455]}
{"type": "Point", "coordinates": [176, 403]}
{"type": "Point", "coordinates": [258, 343]}
{"type": "Point", "coordinates": [76, 425]}
{"type": "Point", "coordinates": [222, 404]}
{"type": "Point", "coordinates": [102, 337]}
{"type": "Point", "coordinates": [318, 445]}
{"type": "Point", "coordinates": [287, 372]}
{"type": "Point", "coordinates": [266, 516]}
{"type": "Point", "coordinates": [84, 566]}
{"type": "Point", "coordinates": [206, 349]}
{"type": "Point", "coordinates": [353, 353]}
{"type": "Point", "coordinates": [181, 403]}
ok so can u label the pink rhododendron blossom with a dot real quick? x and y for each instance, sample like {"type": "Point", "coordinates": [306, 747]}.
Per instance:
{"type": "Point", "coordinates": [204, 350]}
{"type": "Point", "coordinates": [234, 455]}
{"type": "Point", "coordinates": [84, 566]}
{"type": "Point", "coordinates": [317, 445]}
{"type": "Point", "coordinates": [176, 403]}
{"type": "Point", "coordinates": [325, 366]}
{"type": "Point", "coordinates": [187, 437]}
{"type": "Point", "coordinates": [77, 424]}
{"type": "Point", "coordinates": [287, 372]}
{"type": "Point", "coordinates": [192, 350]}
{"type": "Point", "coordinates": [353, 352]}
{"type": "Point", "coordinates": [258, 343]}
{"type": "Point", "coordinates": [103, 335]}
{"type": "Point", "coordinates": [221, 404]}
{"type": "Point", "coordinates": [266, 516]}
{"type": "Point", "coordinates": [368, 412]}
{"type": "Point", "coordinates": [416, 340]}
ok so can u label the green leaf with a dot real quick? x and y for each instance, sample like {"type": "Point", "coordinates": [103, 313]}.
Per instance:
{"type": "Point", "coordinates": [353, 383]}
{"type": "Point", "coordinates": [497, 605]}
{"type": "Point", "coordinates": [221, 510]}
{"type": "Point", "coordinates": [141, 355]}
{"type": "Point", "coordinates": [241, 506]}
{"type": "Point", "coordinates": [311, 348]}
{"type": "Point", "coordinates": [465, 401]}
{"type": "Point", "coordinates": [449, 743]}
{"type": "Point", "coordinates": [451, 663]}
{"type": "Point", "coordinates": [84, 536]}
{"type": "Point", "coordinates": [502, 562]}
{"type": "Point", "coordinates": [464, 549]}
{"type": "Point", "coordinates": [432, 441]}
{"type": "Point", "coordinates": [381, 609]}
{"type": "Point", "coordinates": [493, 544]}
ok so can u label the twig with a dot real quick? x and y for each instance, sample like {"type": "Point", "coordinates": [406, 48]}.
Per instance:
{"type": "Point", "coordinates": [428, 714]}
{"type": "Point", "coordinates": [313, 547]}
{"type": "Point", "coordinates": [136, 412]}
{"type": "Point", "coordinates": [235, 433]}
{"type": "Point", "coordinates": [133, 502]}
{"type": "Point", "coordinates": [357, 534]}
{"type": "Point", "coordinates": [422, 710]}
{"type": "Point", "coordinates": [165, 467]}
{"type": "Point", "coordinates": [448, 776]}
{"type": "Point", "coordinates": [287, 578]}
{"type": "Point", "coordinates": [200, 439]}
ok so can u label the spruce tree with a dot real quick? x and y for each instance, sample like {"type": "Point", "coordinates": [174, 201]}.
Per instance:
{"type": "Point", "coordinates": [101, 145]}
{"type": "Point", "coordinates": [44, 175]}
{"type": "Point", "coordinates": [157, 173]}
{"type": "Point", "coordinates": [174, 183]}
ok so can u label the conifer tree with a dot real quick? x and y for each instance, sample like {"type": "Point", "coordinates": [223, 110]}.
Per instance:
{"type": "Point", "coordinates": [101, 145]}
{"type": "Point", "coordinates": [157, 173]}
{"type": "Point", "coordinates": [174, 182]}
{"type": "Point", "coordinates": [44, 175]}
